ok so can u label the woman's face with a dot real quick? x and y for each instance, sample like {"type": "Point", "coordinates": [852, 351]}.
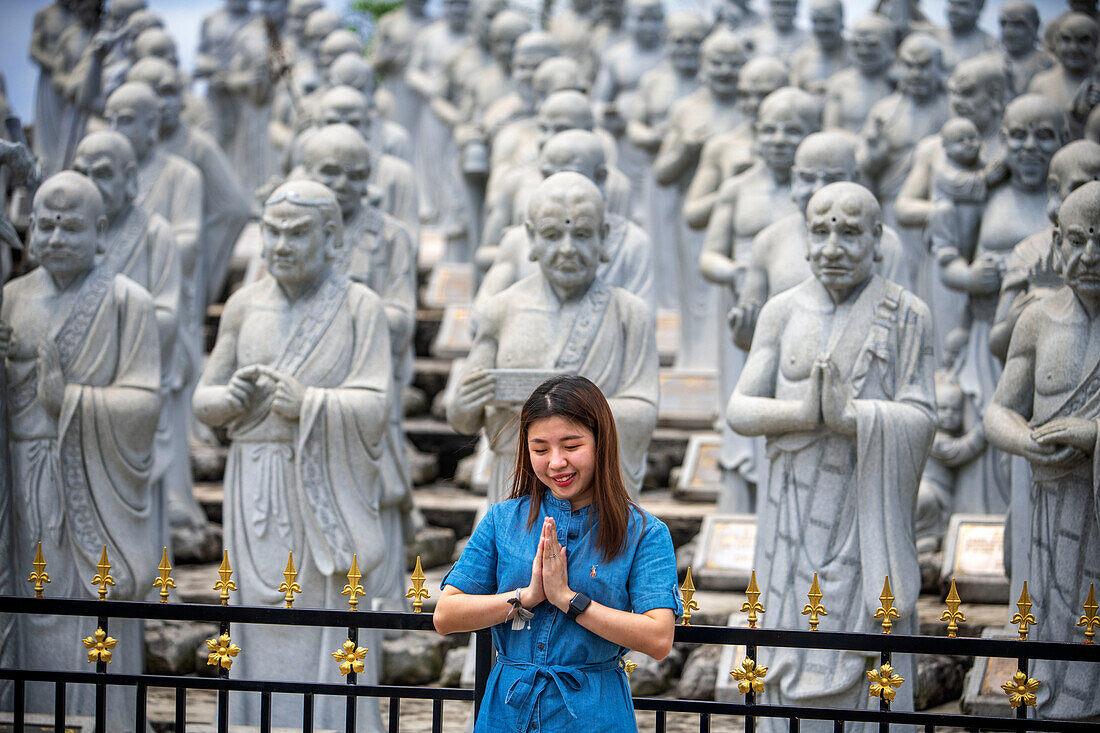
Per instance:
{"type": "Point", "coordinates": [563, 455]}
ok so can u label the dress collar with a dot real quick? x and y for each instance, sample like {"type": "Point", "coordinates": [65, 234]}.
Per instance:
{"type": "Point", "coordinates": [551, 502]}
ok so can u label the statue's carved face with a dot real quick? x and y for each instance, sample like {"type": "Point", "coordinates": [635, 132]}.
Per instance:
{"type": "Point", "coordinates": [813, 173]}
{"type": "Point", "coordinates": [827, 24]}
{"type": "Point", "coordinates": [720, 69]}
{"type": "Point", "coordinates": [682, 46]}
{"type": "Point", "coordinates": [64, 236]}
{"type": "Point", "coordinates": [456, 12]}
{"type": "Point", "coordinates": [949, 407]}
{"type": "Point", "coordinates": [1031, 139]}
{"type": "Point", "coordinates": [782, 13]}
{"type": "Point", "coordinates": [553, 121]}
{"type": "Point", "coordinates": [114, 181]}
{"type": "Point", "coordinates": [347, 114]}
{"type": "Point", "coordinates": [346, 175]}
{"type": "Point", "coordinates": [778, 133]}
{"type": "Point", "coordinates": [1075, 44]}
{"type": "Point", "coordinates": [921, 70]}
{"type": "Point", "coordinates": [871, 51]}
{"type": "Point", "coordinates": [566, 238]}
{"type": "Point", "coordinates": [1018, 34]}
{"type": "Point", "coordinates": [171, 101]}
{"type": "Point", "coordinates": [525, 61]}
{"type": "Point", "coordinates": [646, 22]}
{"type": "Point", "coordinates": [751, 90]}
{"type": "Point", "coordinates": [962, 15]}
{"type": "Point", "coordinates": [843, 241]}
{"type": "Point", "coordinates": [294, 243]}
{"type": "Point", "coordinates": [968, 97]}
{"type": "Point", "coordinates": [961, 143]}
{"type": "Point", "coordinates": [137, 124]}
{"type": "Point", "coordinates": [1078, 240]}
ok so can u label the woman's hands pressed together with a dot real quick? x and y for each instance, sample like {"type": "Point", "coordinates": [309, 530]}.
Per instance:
{"type": "Point", "coordinates": [555, 571]}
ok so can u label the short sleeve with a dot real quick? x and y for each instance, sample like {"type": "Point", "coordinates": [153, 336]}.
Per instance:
{"type": "Point", "coordinates": [652, 582]}
{"type": "Point", "coordinates": [476, 570]}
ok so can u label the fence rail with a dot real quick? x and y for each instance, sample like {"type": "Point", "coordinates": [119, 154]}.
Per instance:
{"type": "Point", "coordinates": [883, 644]}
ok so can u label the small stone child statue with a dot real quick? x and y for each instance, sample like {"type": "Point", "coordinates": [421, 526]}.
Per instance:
{"type": "Point", "coordinates": [952, 447]}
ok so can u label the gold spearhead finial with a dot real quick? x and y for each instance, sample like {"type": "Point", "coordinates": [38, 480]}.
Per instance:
{"type": "Point", "coordinates": [288, 585]}
{"type": "Point", "coordinates": [103, 578]}
{"type": "Point", "coordinates": [418, 592]}
{"type": "Point", "coordinates": [353, 590]}
{"type": "Point", "coordinates": [749, 677]}
{"type": "Point", "coordinates": [225, 584]}
{"type": "Point", "coordinates": [753, 606]}
{"type": "Point", "coordinates": [953, 616]}
{"type": "Point", "coordinates": [884, 682]}
{"type": "Point", "coordinates": [39, 577]}
{"type": "Point", "coordinates": [99, 646]}
{"type": "Point", "coordinates": [814, 608]}
{"type": "Point", "coordinates": [1090, 620]}
{"type": "Point", "coordinates": [164, 582]}
{"type": "Point", "coordinates": [1024, 616]}
{"type": "Point", "coordinates": [687, 592]}
{"type": "Point", "coordinates": [1021, 690]}
{"type": "Point", "coordinates": [887, 611]}
{"type": "Point", "coordinates": [350, 658]}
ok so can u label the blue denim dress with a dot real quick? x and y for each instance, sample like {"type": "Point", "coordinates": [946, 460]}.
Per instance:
{"type": "Point", "coordinates": [557, 675]}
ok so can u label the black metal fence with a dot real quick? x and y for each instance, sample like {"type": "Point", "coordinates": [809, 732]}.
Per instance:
{"type": "Point", "coordinates": [883, 644]}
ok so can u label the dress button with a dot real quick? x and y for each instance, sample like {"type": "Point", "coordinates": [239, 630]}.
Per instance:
{"type": "Point", "coordinates": [541, 646]}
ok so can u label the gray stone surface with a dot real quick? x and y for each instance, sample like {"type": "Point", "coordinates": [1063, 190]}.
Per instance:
{"type": "Point", "coordinates": [414, 659]}
{"type": "Point", "coordinates": [434, 545]}
{"type": "Point", "coordinates": [697, 679]}
{"type": "Point", "coordinates": [170, 645]}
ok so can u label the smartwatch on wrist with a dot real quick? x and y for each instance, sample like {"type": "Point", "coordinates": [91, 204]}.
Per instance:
{"type": "Point", "coordinates": [578, 604]}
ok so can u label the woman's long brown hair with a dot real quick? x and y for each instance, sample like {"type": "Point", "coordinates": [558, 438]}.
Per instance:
{"type": "Point", "coordinates": [579, 401]}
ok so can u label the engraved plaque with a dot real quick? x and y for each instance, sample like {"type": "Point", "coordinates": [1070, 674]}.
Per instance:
{"type": "Point", "coordinates": [700, 476]}
{"type": "Point", "coordinates": [980, 549]}
{"type": "Point", "coordinates": [688, 398]}
{"type": "Point", "coordinates": [974, 556]}
{"type": "Point", "coordinates": [514, 386]}
{"type": "Point", "coordinates": [723, 556]}
{"type": "Point", "coordinates": [451, 283]}
{"type": "Point", "coordinates": [455, 335]}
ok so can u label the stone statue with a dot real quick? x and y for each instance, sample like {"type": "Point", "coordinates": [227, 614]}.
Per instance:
{"type": "Point", "coordinates": [777, 261]}
{"type": "Point", "coordinates": [959, 439]}
{"type": "Point", "coordinates": [565, 319]}
{"type": "Point", "coordinates": [377, 252]}
{"type": "Point", "coordinates": [573, 26]}
{"type": "Point", "coordinates": [300, 377]}
{"type": "Point", "coordinates": [709, 110]}
{"type": "Point", "coordinates": [778, 36]}
{"type": "Point", "coordinates": [1045, 409]}
{"type": "Point", "coordinates": [899, 121]}
{"type": "Point", "coordinates": [609, 29]}
{"type": "Point", "coordinates": [849, 423]}
{"type": "Point", "coordinates": [319, 24]}
{"type": "Point", "coordinates": [491, 80]}
{"type": "Point", "coordinates": [728, 153]}
{"type": "Point", "coordinates": [659, 88]}
{"type": "Point", "coordinates": [737, 15]}
{"type": "Point", "coordinates": [530, 51]}
{"type": "Point", "coordinates": [962, 38]}
{"type": "Point", "coordinates": [627, 259]}
{"type": "Point", "coordinates": [1075, 49]}
{"type": "Point", "coordinates": [814, 64]}
{"type": "Point", "coordinates": [83, 369]}
{"type": "Point", "coordinates": [49, 108]}
{"type": "Point", "coordinates": [1019, 52]}
{"type": "Point", "coordinates": [466, 60]}
{"type": "Point", "coordinates": [297, 12]}
{"type": "Point", "coordinates": [746, 204]}
{"type": "Point", "coordinates": [852, 92]}
{"type": "Point", "coordinates": [1032, 130]}
{"type": "Point", "coordinates": [216, 49]}
{"type": "Point", "coordinates": [225, 207]}
{"type": "Point", "coordinates": [391, 50]}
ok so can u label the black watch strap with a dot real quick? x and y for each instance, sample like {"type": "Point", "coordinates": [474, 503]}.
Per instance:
{"type": "Point", "coordinates": [578, 605]}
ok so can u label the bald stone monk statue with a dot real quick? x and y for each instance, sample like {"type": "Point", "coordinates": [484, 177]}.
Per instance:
{"type": "Point", "coordinates": [83, 371]}
{"type": "Point", "coordinates": [962, 38]}
{"type": "Point", "coordinates": [225, 207]}
{"type": "Point", "coordinates": [747, 203]}
{"type": "Point", "coordinates": [49, 23]}
{"type": "Point", "coordinates": [391, 50]}
{"type": "Point", "coordinates": [1045, 409]}
{"type": "Point", "coordinates": [301, 378]}
{"type": "Point", "coordinates": [1019, 52]}
{"type": "Point", "coordinates": [627, 261]}
{"type": "Point", "coordinates": [778, 36]}
{"type": "Point", "coordinates": [815, 63]}
{"type": "Point", "coordinates": [728, 153]}
{"type": "Point", "coordinates": [840, 381]}
{"type": "Point", "coordinates": [216, 38]}
{"type": "Point", "coordinates": [851, 92]}
{"type": "Point", "coordinates": [1075, 49]}
{"type": "Point", "coordinates": [563, 318]}
{"type": "Point", "coordinates": [377, 252]}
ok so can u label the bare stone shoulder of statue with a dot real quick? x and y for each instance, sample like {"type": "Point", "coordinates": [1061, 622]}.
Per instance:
{"type": "Point", "coordinates": [563, 318]}
{"type": "Point", "coordinates": [1046, 409]}
{"type": "Point", "coordinates": [820, 397]}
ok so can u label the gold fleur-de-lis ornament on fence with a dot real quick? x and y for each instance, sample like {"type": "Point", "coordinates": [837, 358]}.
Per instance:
{"type": "Point", "coordinates": [225, 580]}
{"type": "Point", "coordinates": [749, 676]}
{"type": "Point", "coordinates": [350, 658]}
{"type": "Point", "coordinates": [687, 592]}
{"type": "Point", "coordinates": [1090, 620]}
{"type": "Point", "coordinates": [887, 611]}
{"type": "Point", "coordinates": [165, 581]}
{"type": "Point", "coordinates": [814, 609]}
{"type": "Point", "coordinates": [753, 605]}
{"type": "Point", "coordinates": [1023, 616]}
{"type": "Point", "coordinates": [353, 590]}
{"type": "Point", "coordinates": [884, 682]}
{"type": "Point", "coordinates": [39, 577]}
{"type": "Point", "coordinates": [1021, 690]}
{"type": "Point", "coordinates": [288, 585]}
{"type": "Point", "coordinates": [103, 578]}
{"type": "Point", "coordinates": [418, 592]}
{"type": "Point", "coordinates": [953, 616]}
{"type": "Point", "coordinates": [222, 651]}
{"type": "Point", "coordinates": [99, 646]}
